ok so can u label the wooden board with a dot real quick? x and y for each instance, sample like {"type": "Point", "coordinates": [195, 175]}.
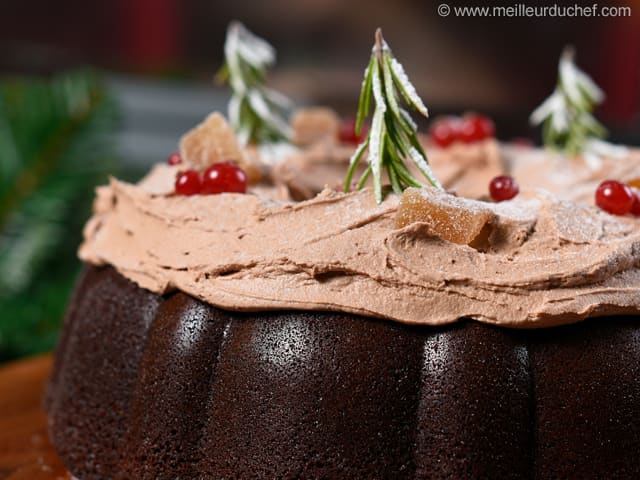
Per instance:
{"type": "Point", "coordinates": [25, 451]}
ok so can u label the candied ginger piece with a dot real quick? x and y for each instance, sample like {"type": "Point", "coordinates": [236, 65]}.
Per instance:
{"type": "Point", "coordinates": [457, 220]}
{"type": "Point", "coordinates": [313, 124]}
{"type": "Point", "coordinates": [214, 141]}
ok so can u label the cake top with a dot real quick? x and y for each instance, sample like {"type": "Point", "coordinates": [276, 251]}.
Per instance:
{"type": "Point", "coordinates": [419, 254]}
{"type": "Point", "coordinates": [541, 260]}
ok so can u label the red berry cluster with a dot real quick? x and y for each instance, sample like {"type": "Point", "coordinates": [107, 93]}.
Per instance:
{"type": "Point", "coordinates": [471, 128]}
{"type": "Point", "coordinates": [503, 188]}
{"type": "Point", "coordinates": [347, 132]}
{"type": "Point", "coordinates": [619, 198]}
{"type": "Point", "coordinates": [218, 178]}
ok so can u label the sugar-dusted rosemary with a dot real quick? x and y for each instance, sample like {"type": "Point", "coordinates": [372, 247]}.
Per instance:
{"type": "Point", "coordinates": [566, 116]}
{"type": "Point", "coordinates": [392, 138]}
{"type": "Point", "coordinates": [257, 113]}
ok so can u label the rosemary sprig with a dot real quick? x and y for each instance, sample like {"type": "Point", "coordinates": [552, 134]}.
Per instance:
{"type": "Point", "coordinates": [566, 116]}
{"type": "Point", "coordinates": [257, 113]}
{"type": "Point", "coordinates": [392, 138]}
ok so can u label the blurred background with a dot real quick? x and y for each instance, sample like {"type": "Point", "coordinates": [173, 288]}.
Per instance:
{"type": "Point", "coordinates": [94, 88]}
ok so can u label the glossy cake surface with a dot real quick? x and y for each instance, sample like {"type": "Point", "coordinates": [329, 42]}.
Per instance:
{"type": "Point", "coordinates": [147, 386]}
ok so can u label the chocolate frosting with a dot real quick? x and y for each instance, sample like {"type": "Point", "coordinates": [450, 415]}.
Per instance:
{"type": "Point", "coordinates": [549, 261]}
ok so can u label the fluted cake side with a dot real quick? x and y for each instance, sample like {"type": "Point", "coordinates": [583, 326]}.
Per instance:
{"type": "Point", "coordinates": [146, 386]}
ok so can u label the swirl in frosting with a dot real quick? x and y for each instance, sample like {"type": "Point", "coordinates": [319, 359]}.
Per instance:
{"type": "Point", "coordinates": [550, 261]}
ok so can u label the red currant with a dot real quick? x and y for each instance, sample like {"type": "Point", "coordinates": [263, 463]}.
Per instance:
{"type": "Point", "coordinates": [347, 132]}
{"type": "Point", "coordinates": [188, 183]}
{"type": "Point", "coordinates": [635, 208]}
{"type": "Point", "coordinates": [224, 177]}
{"type": "Point", "coordinates": [614, 197]}
{"type": "Point", "coordinates": [503, 187]}
{"type": "Point", "coordinates": [634, 185]}
{"type": "Point", "coordinates": [445, 131]}
{"type": "Point", "coordinates": [174, 159]}
{"type": "Point", "coordinates": [475, 127]}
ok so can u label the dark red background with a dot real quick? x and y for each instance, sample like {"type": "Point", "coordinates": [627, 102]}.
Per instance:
{"type": "Point", "coordinates": [500, 65]}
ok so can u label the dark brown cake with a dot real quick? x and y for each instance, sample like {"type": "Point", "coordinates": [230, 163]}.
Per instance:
{"type": "Point", "coordinates": [169, 387]}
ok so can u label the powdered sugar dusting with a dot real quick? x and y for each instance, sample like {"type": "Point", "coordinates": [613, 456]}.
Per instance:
{"type": "Point", "coordinates": [408, 119]}
{"type": "Point", "coordinates": [407, 88]}
{"type": "Point", "coordinates": [375, 147]}
{"type": "Point", "coordinates": [424, 167]}
{"type": "Point", "coordinates": [519, 209]}
{"type": "Point", "coordinates": [377, 89]}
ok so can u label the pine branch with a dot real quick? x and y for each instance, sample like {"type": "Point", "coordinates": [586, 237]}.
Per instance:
{"type": "Point", "coordinates": [257, 113]}
{"type": "Point", "coordinates": [56, 136]}
{"type": "Point", "coordinates": [392, 139]}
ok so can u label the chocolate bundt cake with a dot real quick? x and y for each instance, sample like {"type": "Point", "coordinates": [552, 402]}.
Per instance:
{"type": "Point", "coordinates": [253, 336]}
{"type": "Point", "coordinates": [243, 336]}
{"type": "Point", "coordinates": [149, 386]}
{"type": "Point", "coordinates": [297, 332]}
